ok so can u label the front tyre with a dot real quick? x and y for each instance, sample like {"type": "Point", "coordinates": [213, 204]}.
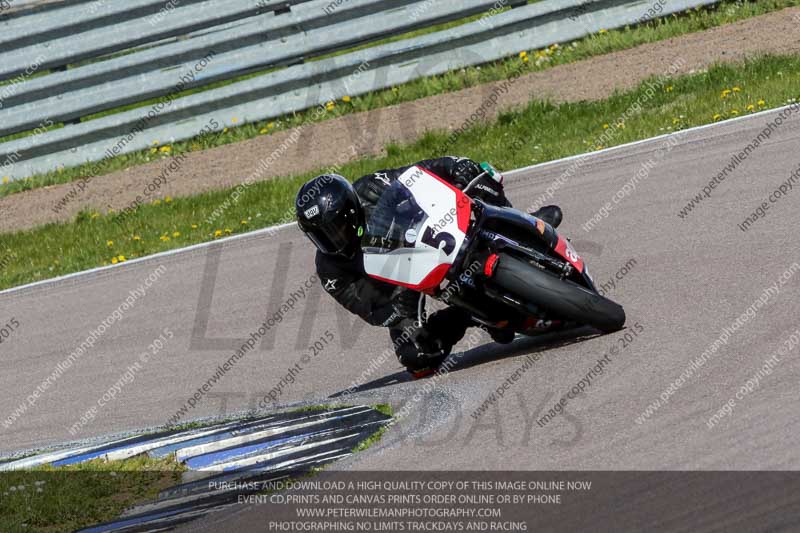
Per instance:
{"type": "Point", "coordinates": [562, 298]}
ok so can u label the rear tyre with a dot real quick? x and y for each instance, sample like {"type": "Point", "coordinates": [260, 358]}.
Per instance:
{"type": "Point", "coordinates": [564, 299]}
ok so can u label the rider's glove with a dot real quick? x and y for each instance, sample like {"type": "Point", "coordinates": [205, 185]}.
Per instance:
{"type": "Point", "coordinates": [490, 190]}
{"type": "Point", "coordinates": [464, 171]}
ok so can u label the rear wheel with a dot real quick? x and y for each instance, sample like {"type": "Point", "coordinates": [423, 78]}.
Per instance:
{"type": "Point", "coordinates": [564, 299]}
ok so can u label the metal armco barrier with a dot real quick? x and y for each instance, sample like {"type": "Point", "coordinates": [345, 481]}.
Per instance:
{"type": "Point", "coordinates": [63, 64]}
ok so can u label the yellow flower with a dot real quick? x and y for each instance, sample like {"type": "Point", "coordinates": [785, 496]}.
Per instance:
{"type": "Point", "coordinates": [675, 120]}
{"type": "Point", "coordinates": [330, 106]}
{"type": "Point", "coordinates": [5, 180]}
{"type": "Point", "coordinates": [176, 234]}
{"type": "Point", "coordinates": [725, 93]}
{"type": "Point", "coordinates": [751, 107]}
{"type": "Point", "coordinates": [554, 46]}
{"type": "Point", "coordinates": [601, 32]}
{"type": "Point", "coordinates": [121, 258]}
{"type": "Point", "coordinates": [621, 126]}
{"type": "Point", "coordinates": [668, 88]}
{"type": "Point", "coordinates": [737, 89]}
{"type": "Point", "coordinates": [109, 243]}
{"type": "Point", "coordinates": [523, 54]}
{"type": "Point", "coordinates": [234, 120]}
{"type": "Point", "coordinates": [155, 143]}
{"type": "Point", "coordinates": [263, 131]}
{"type": "Point", "coordinates": [195, 147]}
{"type": "Point", "coordinates": [271, 125]}
{"type": "Point", "coordinates": [734, 112]}
{"type": "Point", "coordinates": [95, 215]}
{"type": "Point", "coordinates": [346, 99]}
{"type": "Point", "coordinates": [137, 238]}
{"type": "Point", "coordinates": [717, 116]}
{"type": "Point", "coordinates": [218, 233]}
{"type": "Point", "coordinates": [153, 150]}
{"type": "Point", "coordinates": [525, 59]}
{"type": "Point", "coordinates": [114, 261]}
{"type": "Point", "coordinates": [228, 231]}
{"type": "Point", "coordinates": [605, 126]}
{"type": "Point", "coordinates": [168, 199]}
{"type": "Point", "coordinates": [224, 130]}
{"type": "Point", "coordinates": [165, 149]}
{"type": "Point", "coordinates": [164, 238]}
{"type": "Point", "coordinates": [243, 222]}
{"type": "Point", "coordinates": [194, 226]}
{"type": "Point", "coordinates": [762, 103]}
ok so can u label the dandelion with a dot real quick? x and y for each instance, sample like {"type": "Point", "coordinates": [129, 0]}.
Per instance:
{"type": "Point", "coordinates": [234, 120]}
{"type": "Point", "coordinates": [5, 180]}
{"type": "Point", "coordinates": [668, 88]}
{"type": "Point", "coordinates": [168, 199]}
{"type": "Point", "coordinates": [602, 31]}
{"type": "Point", "coordinates": [164, 238]}
{"type": "Point", "coordinates": [523, 54]}
{"type": "Point", "coordinates": [734, 112]}
{"type": "Point", "coordinates": [194, 226]}
{"type": "Point", "coordinates": [271, 125]}
{"type": "Point", "coordinates": [225, 130]}
{"type": "Point", "coordinates": [725, 93]}
{"type": "Point", "coordinates": [525, 59]}
{"type": "Point", "coordinates": [155, 143]}
{"type": "Point", "coordinates": [228, 231]}
{"type": "Point", "coordinates": [263, 131]}
{"type": "Point", "coordinates": [762, 103]}
{"type": "Point", "coordinates": [109, 243]}
{"type": "Point", "coordinates": [136, 238]}
{"type": "Point", "coordinates": [621, 126]}
{"type": "Point", "coordinates": [153, 150]}
{"type": "Point", "coordinates": [114, 261]}
{"type": "Point", "coordinates": [165, 149]}
{"type": "Point", "coordinates": [94, 215]}
{"type": "Point", "coordinates": [243, 222]}
{"type": "Point", "coordinates": [717, 117]}
{"type": "Point", "coordinates": [330, 106]}
{"type": "Point", "coordinates": [751, 107]}
{"type": "Point", "coordinates": [346, 99]}
{"type": "Point", "coordinates": [737, 89]}
{"type": "Point", "coordinates": [675, 120]}
{"type": "Point", "coordinates": [176, 234]}
{"type": "Point", "coordinates": [156, 202]}
{"type": "Point", "coordinates": [218, 233]}
{"type": "Point", "coordinates": [606, 126]}
{"type": "Point", "coordinates": [121, 258]}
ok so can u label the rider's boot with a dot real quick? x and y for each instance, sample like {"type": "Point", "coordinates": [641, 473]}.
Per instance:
{"type": "Point", "coordinates": [551, 214]}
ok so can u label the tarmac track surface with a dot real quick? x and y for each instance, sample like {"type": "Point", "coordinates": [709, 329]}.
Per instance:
{"type": "Point", "coordinates": [692, 277]}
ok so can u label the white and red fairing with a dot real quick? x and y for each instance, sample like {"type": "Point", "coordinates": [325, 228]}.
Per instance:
{"type": "Point", "coordinates": [431, 242]}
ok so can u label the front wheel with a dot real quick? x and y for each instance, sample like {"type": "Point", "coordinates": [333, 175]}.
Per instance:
{"type": "Point", "coordinates": [564, 299]}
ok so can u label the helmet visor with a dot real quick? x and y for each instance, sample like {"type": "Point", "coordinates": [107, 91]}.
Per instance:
{"type": "Point", "coordinates": [331, 240]}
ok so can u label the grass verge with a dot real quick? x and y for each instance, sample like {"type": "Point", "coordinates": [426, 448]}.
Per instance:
{"type": "Point", "coordinates": [602, 43]}
{"type": "Point", "coordinates": [539, 132]}
{"type": "Point", "coordinates": [77, 496]}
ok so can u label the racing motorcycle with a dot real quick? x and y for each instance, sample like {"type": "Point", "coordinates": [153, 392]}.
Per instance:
{"type": "Point", "coordinates": [508, 269]}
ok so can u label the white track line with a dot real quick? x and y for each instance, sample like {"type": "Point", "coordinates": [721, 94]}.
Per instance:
{"type": "Point", "coordinates": [273, 229]}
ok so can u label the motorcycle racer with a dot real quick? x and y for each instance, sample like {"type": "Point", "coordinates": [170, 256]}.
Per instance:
{"type": "Point", "coordinates": [333, 214]}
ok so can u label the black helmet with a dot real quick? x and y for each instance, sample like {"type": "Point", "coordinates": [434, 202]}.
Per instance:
{"type": "Point", "coordinates": [330, 214]}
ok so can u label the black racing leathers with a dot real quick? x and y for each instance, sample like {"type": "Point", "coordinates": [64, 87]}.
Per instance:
{"type": "Point", "coordinates": [383, 304]}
